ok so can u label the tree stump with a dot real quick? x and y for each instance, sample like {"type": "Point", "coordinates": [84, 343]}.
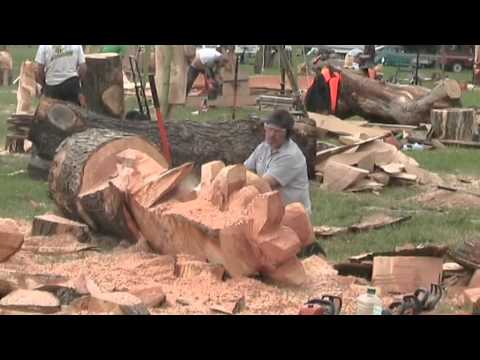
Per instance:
{"type": "Point", "coordinates": [103, 87]}
{"type": "Point", "coordinates": [453, 124]}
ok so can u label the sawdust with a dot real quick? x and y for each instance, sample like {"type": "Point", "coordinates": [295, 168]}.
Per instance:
{"type": "Point", "coordinates": [129, 269]}
{"type": "Point", "coordinates": [449, 200]}
{"type": "Point", "coordinates": [202, 211]}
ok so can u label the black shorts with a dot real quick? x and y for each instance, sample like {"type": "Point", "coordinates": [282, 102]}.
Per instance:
{"type": "Point", "coordinates": [69, 90]}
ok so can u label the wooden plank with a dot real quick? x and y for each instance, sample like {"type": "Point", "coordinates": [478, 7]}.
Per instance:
{"type": "Point", "coordinates": [467, 144]}
{"type": "Point", "coordinates": [374, 222]}
{"type": "Point", "coordinates": [335, 125]}
{"type": "Point", "coordinates": [406, 274]}
{"type": "Point", "coordinates": [338, 177]}
{"type": "Point", "coordinates": [340, 149]}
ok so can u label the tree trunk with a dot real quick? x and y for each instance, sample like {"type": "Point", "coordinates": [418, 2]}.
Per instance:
{"type": "Point", "coordinates": [178, 72]}
{"type": "Point", "coordinates": [103, 87]}
{"type": "Point", "coordinates": [387, 103]}
{"type": "Point", "coordinates": [79, 180]}
{"type": "Point", "coordinates": [453, 124]}
{"type": "Point", "coordinates": [192, 141]}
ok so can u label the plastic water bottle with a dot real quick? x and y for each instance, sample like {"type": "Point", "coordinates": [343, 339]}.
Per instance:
{"type": "Point", "coordinates": [369, 303]}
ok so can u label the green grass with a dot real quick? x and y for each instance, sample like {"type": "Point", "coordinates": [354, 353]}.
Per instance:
{"type": "Point", "coordinates": [425, 227]}
{"type": "Point", "coordinates": [21, 197]}
{"type": "Point", "coordinates": [452, 160]}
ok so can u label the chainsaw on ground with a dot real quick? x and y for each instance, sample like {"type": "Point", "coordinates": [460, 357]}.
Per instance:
{"type": "Point", "coordinates": [326, 305]}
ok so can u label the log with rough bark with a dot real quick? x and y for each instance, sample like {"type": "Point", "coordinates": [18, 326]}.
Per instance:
{"type": "Point", "coordinates": [387, 103]}
{"type": "Point", "coordinates": [103, 86]}
{"type": "Point", "coordinates": [453, 124]}
{"type": "Point", "coordinates": [192, 141]}
{"type": "Point", "coordinates": [85, 179]}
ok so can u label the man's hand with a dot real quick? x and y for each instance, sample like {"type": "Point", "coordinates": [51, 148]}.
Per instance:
{"type": "Point", "coordinates": [82, 71]}
{"type": "Point", "coordinates": [274, 184]}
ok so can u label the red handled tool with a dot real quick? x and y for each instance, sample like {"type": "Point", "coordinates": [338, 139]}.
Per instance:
{"type": "Point", "coordinates": [161, 125]}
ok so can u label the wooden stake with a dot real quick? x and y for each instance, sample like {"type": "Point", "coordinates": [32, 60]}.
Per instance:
{"type": "Point", "coordinates": [164, 105]}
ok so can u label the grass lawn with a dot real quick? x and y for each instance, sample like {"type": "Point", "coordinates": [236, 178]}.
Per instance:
{"type": "Point", "coordinates": [24, 198]}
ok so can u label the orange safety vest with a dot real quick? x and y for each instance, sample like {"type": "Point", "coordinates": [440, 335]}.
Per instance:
{"type": "Point", "coordinates": [333, 81]}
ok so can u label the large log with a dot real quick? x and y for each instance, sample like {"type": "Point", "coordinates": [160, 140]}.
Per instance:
{"type": "Point", "coordinates": [192, 141]}
{"type": "Point", "coordinates": [82, 184]}
{"type": "Point", "coordinates": [388, 103]}
{"type": "Point", "coordinates": [103, 87]}
{"type": "Point", "coordinates": [454, 124]}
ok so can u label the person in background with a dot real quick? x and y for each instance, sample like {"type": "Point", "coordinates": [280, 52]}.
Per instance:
{"type": "Point", "coordinates": [60, 70]}
{"type": "Point", "coordinates": [207, 61]}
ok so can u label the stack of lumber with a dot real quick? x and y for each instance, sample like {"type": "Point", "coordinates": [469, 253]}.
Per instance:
{"type": "Point", "coordinates": [120, 184]}
{"type": "Point", "coordinates": [365, 161]}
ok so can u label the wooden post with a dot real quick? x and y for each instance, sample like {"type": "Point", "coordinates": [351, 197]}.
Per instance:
{"type": "Point", "coordinates": [146, 62]}
{"type": "Point", "coordinates": [164, 104]}
{"type": "Point", "coordinates": [282, 74]}
{"type": "Point", "coordinates": [476, 66]}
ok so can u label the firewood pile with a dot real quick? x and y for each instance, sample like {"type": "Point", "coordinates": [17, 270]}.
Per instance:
{"type": "Point", "coordinates": [367, 160]}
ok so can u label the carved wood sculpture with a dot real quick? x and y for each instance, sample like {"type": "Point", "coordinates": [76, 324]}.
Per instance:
{"type": "Point", "coordinates": [120, 185]}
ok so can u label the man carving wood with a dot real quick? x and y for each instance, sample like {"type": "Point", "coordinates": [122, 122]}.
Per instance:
{"type": "Point", "coordinates": [280, 161]}
{"type": "Point", "coordinates": [59, 70]}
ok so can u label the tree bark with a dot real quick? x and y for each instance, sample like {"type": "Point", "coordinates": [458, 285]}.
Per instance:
{"type": "Point", "coordinates": [191, 141]}
{"type": "Point", "coordinates": [103, 87]}
{"type": "Point", "coordinates": [79, 179]}
{"type": "Point", "coordinates": [388, 103]}
{"type": "Point", "coordinates": [454, 124]}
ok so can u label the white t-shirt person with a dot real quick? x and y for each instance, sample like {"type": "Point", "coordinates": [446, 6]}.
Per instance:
{"type": "Point", "coordinates": [61, 62]}
{"type": "Point", "coordinates": [208, 56]}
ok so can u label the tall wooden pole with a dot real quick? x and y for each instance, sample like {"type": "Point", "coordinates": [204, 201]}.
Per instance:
{"type": "Point", "coordinates": [146, 62]}
{"type": "Point", "coordinates": [476, 65]}
{"type": "Point", "coordinates": [164, 104]}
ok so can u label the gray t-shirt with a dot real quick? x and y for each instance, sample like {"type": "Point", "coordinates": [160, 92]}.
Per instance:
{"type": "Point", "coordinates": [288, 166]}
{"type": "Point", "coordinates": [61, 62]}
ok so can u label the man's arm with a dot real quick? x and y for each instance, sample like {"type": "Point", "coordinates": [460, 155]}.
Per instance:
{"type": "Point", "coordinates": [40, 65]}
{"type": "Point", "coordinates": [40, 74]}
{"type": "Point", "coordinates": [82, 71]}
{"type": "Point", "coordinates": [274, 184]}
